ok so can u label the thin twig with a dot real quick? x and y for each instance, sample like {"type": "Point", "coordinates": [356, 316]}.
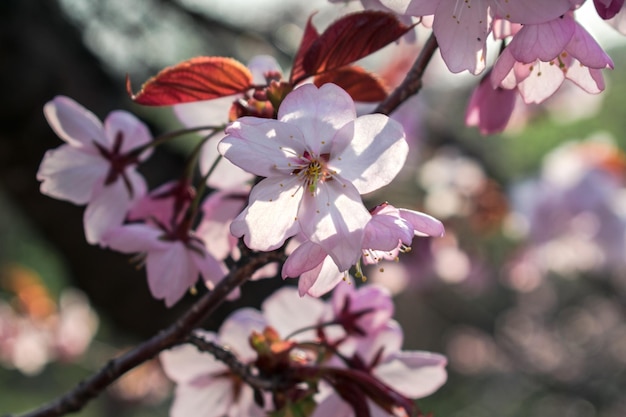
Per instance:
{"type": "Point", "coordinates": [243, 371]}
{"type": "Point", "coordinates": [413, 81]}
{"type": "Point", "coordinates": [92, 386]}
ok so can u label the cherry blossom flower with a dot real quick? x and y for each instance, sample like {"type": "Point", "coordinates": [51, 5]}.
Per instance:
{"type": "Point", "coordinates": [462, 27]}
{"type": "Point", "coordinates": [174, 258]}
{"type": "Point", "coordinates": [389, 231]}
{"type": "Point", "coordinates": [206, 386]}
{"type": "Point", "coordinates": [537, 64]}
{"type": "Point", "coordinates": [97, 164]}
{"type": "Point", "coordinates": [318, 157]}
{"type": "Point", "coordinates": [413, 374]}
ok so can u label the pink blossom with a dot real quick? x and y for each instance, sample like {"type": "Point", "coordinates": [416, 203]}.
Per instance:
{"type": "Point", "coordinates": [462, 27]}
{"type": "Point", "coordinates": [580, 60]}
{"type": "Point", "coordinates": [97, 164]}
{"type": "Point", "coordinates": [490, 108]}
{"type": "Point", "coordinates": [389, 231]}
{"type": "Point", "coordinates": [174, 258]}
{"type": "Point", "coordinates": [318, 157]}
{"type": "Point", "coordinates": [205, 386]}
{"type": "Point", "coordinates": [413, 374]}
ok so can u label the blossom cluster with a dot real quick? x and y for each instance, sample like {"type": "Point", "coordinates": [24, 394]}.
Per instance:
{"type": "Point", "coordinates": [542, 45]}
{"type": "Point", "coordinates": [350, 339]}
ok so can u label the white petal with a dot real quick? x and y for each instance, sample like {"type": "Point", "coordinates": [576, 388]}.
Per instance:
{"type": "Point", "coordinates": [262, 146]}
{"type": "Point", "coordinates": [335, 218]}
{"type": "Point", "coordinates": [70, 174]}
{"type": "Point", "coordinates": [109, 208]}
{"type": "Point", "coordinates": [413, 374]}
{"type": "Point", "coordinates": [236, 330]}
{"type": "Point", "coordinates": [171, 272]}
{"type": "Point", "coordinates": [271, 215]}
{"type": "Point", "coordinates": [73, 123]}
{"type": "Point", "coordinates": [134, 132]}
{"type": "Point", "coordinates": [423, 224]}
{"type": "Point", "coordinates": [184, 363]}
{"type": "Point", "coordinates": [326, 279]}
{"type": "Point", "coordinates": [135, 238]}
{"type": "Point", "coordinates": [287, 312]}
{"type": "Point", "coordinates": [318, 113]}
{"type": "Point", "coordinates": [369, 153]}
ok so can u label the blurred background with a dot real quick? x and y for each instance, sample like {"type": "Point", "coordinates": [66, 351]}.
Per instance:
{"type": "Point", "coordinates": [526, 293]}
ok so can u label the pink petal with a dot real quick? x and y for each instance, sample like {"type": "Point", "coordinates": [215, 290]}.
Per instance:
{"type": "Point", "coordinates": [369, 297]}
{"type": "Point", "coordinates": [370, 152]}
{"type": "Point", "coordinates": [411, 7]}
{"type": "Point", "coordinates": [68, 173]}
{"type": "Point", "coordinates": [489, 108]}
{"type": "Point", "coordinates": [271, 215]}
{"type": "Point", "coordinates": [318, 282]}
{"type": "Point", "coordinates": [304, 258]}
{"type": "Point", "coordinates": [318, 113]}
{"type": "Point", "coordinates": [218, 211]}
{"type": "Point", "coordinates": [385, 232]}
{"type": "Point", "coordinates": [108, 208]}
{"type": "Point", "coordinates": [210, 269]}
{"type": "Point", "coordinates": [261, 146]}
{"type": "Point", "coordinates": [586, 50]}
{"type": "Point", "coordinates": [73, 123]}
{"type": "Point", "coordinates": [542, 42]}
{"type": "Point", "coordinates": [462, 31]}
{"type": "Point", "coordinates": [134, 132]}
{"type": "Point", "coordinates": [423, 224]}
{"type": "Point", "coordinates": [171, 272]}
{"type": "Point", "coordinates": [531, 11]}
{"type": "Point", "coordinates": [287, 312]}
{"type": "Point", "coordinates": [335, 219]}
{"type": "Point", "coordinates": [135, 238]}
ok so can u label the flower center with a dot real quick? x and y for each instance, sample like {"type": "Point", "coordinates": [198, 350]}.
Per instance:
{"type": "Point", "coordinates": [316, 171]}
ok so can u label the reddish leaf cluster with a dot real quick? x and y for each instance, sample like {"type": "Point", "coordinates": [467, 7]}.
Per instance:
{"type": "Point", "coordinates": [326, 57]}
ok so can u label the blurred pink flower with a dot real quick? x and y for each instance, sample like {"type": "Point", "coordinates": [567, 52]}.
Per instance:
{"type": "Point", "coordinates": [206, 386]}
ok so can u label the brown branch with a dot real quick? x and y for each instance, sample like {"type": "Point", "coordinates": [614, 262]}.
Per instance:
{"type": "Point", "coordinates": [412, 82]}
{"type": "Point", "coordinates": [243, 371]}
{"type": "Point", "coordinates": [175, 334]}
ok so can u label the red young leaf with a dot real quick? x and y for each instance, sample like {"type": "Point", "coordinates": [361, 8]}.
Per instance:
{"type": "Point", "coordinates": [310, 36]}
{"type": "Point", "coordinates": [360, 84]}
{"type": "Point", "coordinates": [201, 78]}
{"type": "Point", "coordinates": [350, 38]}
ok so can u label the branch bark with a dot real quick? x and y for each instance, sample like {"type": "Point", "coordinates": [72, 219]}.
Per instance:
{"type": "Point", "coordinates": [412, 83]}
{"type": "Point", "coordinates": [177, 333]}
